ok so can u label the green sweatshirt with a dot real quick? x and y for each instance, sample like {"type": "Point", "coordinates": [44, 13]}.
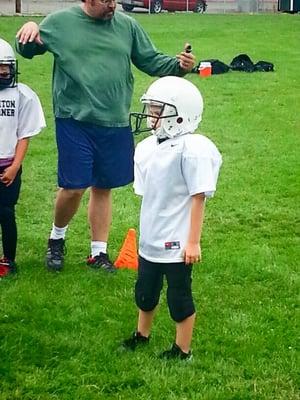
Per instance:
{"type": "Point", "coordinates": [92, 77]}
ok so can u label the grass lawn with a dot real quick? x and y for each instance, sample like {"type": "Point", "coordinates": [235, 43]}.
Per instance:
{"type": "Point", "coordinates": [60, 333]}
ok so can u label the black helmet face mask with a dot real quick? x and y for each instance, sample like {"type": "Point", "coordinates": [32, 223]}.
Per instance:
{"type": "Point", "coordinates": [8, 66]}
{"type": "Point", "coordinates": [8, 73]}
{"type": "Point", "coordinates": [150, 117]}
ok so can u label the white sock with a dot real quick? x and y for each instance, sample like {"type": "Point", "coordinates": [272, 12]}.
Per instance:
{"type": "Point", "coordinates": [58, 233]}
{"type": "Point", "coordinates": [98, 247]}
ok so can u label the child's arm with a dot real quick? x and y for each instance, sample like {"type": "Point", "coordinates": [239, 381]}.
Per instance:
{"type": "Point", "coordinates": [192, 252]}
{"type": "Point", "coordinates": [10, 172]}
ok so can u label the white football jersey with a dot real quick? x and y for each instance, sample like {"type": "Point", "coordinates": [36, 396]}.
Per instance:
{"type": "Point", "coordinates": [167, 175]}
{"type": "Point", "coordinates": [21, 116]}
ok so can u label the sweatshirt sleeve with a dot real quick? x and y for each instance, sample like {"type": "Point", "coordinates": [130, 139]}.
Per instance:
{"type": "Point", "coordinates": [148, 59]}
{"type": "Point", "coordinates": [29, 50]}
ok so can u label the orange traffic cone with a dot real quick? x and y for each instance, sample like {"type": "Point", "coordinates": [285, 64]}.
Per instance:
{"type": "Point", "coordinates": [127, 257]}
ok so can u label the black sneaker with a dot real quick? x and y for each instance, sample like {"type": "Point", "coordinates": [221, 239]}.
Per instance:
{"type": "Point", "coordinates": [55, 254]}
{"type": "Point", "coordinates": [176, 353]}
{"type": "Point", "coordinates": [101, 261]}
{"type": "Point", "coordinates": [135, 340]}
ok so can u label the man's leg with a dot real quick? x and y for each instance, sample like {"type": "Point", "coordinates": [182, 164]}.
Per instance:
{"type": "Point", "coordinates": [100, 213]}
{"type": "Point", "coordinates": [66, 206]}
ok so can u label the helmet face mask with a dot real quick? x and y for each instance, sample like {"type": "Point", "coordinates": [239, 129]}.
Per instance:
{"type": "Point", "coordinates": [8, 66]}
{"type": "Point", "coordinates": [8, 79]}
{"type": "Point", "coordinates": [180, 104]}
{"type": "Point", "coordinates": [150, 119]}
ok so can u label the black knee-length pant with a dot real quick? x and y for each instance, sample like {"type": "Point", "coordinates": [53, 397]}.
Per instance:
{"type": "Point", "coordinates": [179, 293]}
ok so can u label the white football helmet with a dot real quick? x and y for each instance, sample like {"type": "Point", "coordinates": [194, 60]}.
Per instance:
{"type": "Point", "coordinates": [7, 57]}
{"type": "Point", "coordinates": [180, 104]}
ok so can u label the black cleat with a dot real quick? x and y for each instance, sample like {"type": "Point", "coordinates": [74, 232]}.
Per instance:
{"type": "Point", "coordinates": [55, 254]}
{"type": "Point", "coordinates": [101, 262]}
{"type": "Point", "coordinates": [176, 353]}
{"type": "Point", "coordinates": [136, 339]}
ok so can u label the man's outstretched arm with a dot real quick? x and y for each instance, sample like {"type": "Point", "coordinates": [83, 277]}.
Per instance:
{"type": "Point", "coordinates": [28, 40]}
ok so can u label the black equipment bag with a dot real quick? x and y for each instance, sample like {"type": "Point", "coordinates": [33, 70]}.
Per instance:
{"type": "Point", "coordinates": [263, 66]}
{"type": "Point", "coordinates": [217, 66]}
{"type": "Point", "coordinates": [242, 62]}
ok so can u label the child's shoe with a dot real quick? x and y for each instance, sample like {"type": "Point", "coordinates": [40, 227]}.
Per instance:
{"type": "Point", "coordinates": [7, 267]}
{"type": "Point", "coordinates": [135, 340]}
{"type": "Point", "coordinates": [176, 353]}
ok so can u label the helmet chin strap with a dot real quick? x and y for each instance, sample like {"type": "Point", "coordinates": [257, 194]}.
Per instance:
{"type": "Point", "coordinates": [6, 82]}
{"type": "Point", "coordinates": [160, 133]}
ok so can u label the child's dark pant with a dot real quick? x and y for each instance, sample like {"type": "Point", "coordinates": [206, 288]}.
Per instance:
{"type": "Point", "coordinates": [8, 198]}
{"type": "Point", "coordinates": [179, 292]}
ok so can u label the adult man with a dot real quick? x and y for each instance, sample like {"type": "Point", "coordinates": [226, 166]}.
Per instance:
{"type": "Point", "coordinates": [93, 47]}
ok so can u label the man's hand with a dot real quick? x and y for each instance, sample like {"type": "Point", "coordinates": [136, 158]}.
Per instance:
{"type": "Point", "coordinates": [30, 32]}
{"type": "Point", "coordinates": [192, 253]}
{"type": "Point", "coordinates": [9, 174]}
{"type": "Point", "coordinates": [186, 59]}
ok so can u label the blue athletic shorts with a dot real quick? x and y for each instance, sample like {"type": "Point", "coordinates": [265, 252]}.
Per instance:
{"type": "Point", "coordinates": [92, 155]}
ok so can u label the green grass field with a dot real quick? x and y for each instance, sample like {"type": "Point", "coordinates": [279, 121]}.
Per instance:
{"type": "Point", "coordinates": [60, 333]}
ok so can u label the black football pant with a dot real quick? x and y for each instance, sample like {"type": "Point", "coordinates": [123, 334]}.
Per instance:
{"type": "Point", "coordinates": [8, 198]}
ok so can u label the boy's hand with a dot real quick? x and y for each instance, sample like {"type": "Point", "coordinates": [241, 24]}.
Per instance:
{"type": "Point", "coordinates": [192, 253]}
{"type": "Point", "coordinates": [30, 32]}
{"type": "Point", "coordinates": [9, 175]}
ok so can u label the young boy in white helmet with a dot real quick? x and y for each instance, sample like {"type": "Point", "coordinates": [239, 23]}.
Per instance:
{"type": "Point", "coordinates": [175, 171]}
{"type": "Point", "coordinates": [21, 116]}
